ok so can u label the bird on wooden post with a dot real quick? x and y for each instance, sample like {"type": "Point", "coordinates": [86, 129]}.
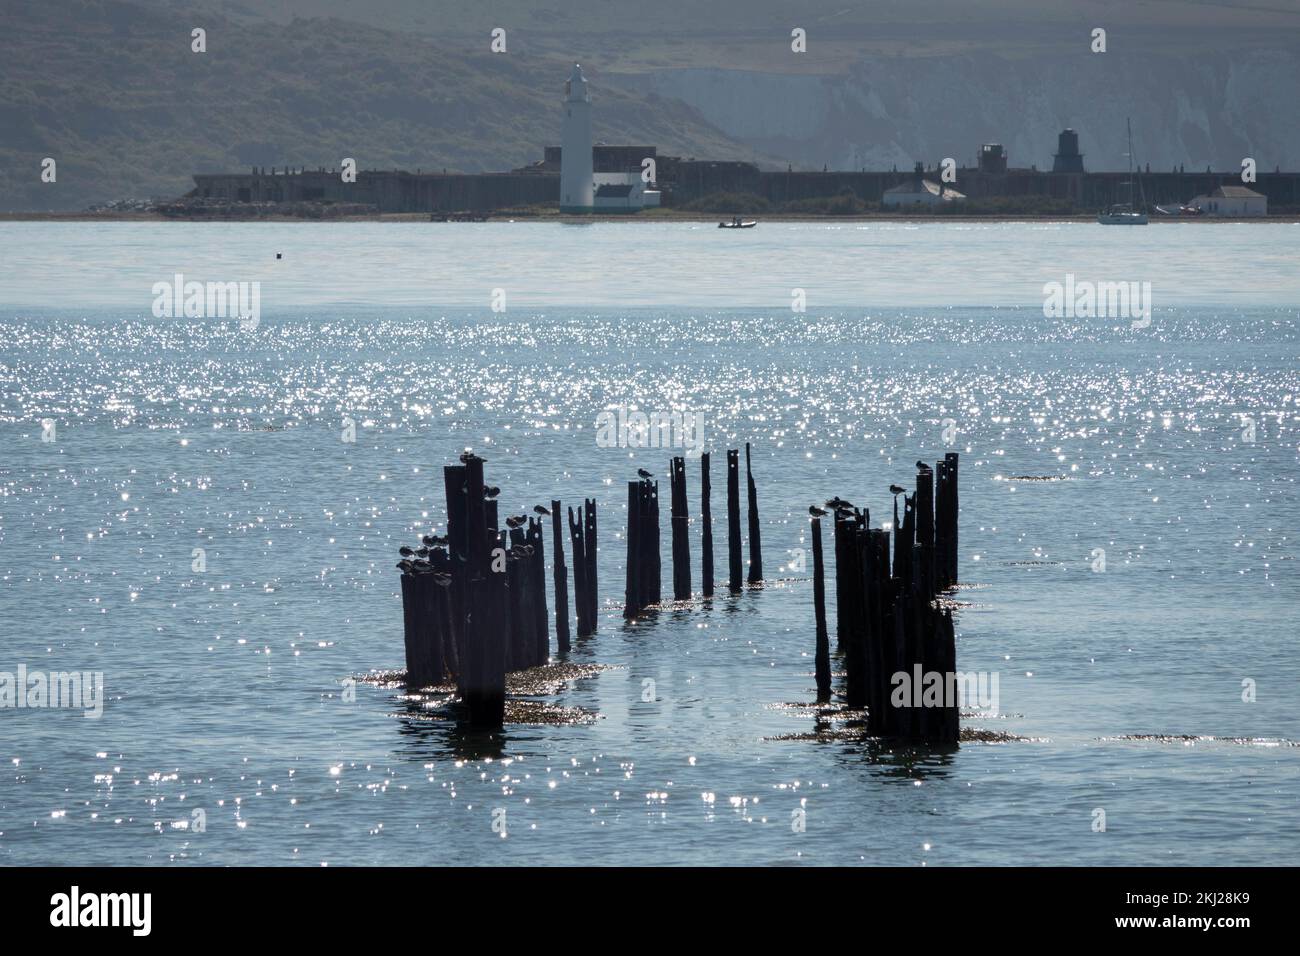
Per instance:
{"type": "Point", "coordinates": [644, 475]}
{"type": "Point", "coordinates": [539, 509]}
{"type": "Point", "coordinates": [816, 512]}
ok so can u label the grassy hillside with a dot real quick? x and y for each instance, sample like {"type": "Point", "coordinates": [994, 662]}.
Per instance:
{"type": "Point", "coordinates": [114, 94]}
{"type": "Point", "coordinates": [633, 35]}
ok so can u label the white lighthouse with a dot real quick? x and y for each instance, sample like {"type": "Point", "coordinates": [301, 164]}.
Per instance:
{"type": "Point", "coordinates": [576, 190]}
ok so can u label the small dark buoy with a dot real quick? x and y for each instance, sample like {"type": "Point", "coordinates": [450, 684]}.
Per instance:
{"type": "Point", "coordinates": [277, 255]}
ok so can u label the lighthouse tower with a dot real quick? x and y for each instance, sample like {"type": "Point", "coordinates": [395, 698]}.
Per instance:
{"type": "Point", "coordinates": [575, 145]}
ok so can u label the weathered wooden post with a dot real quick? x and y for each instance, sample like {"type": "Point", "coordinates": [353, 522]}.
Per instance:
{"type": "Point", "coordinates": [520, 648]}
{"type": "Point", "coordinates": [823, 653]}
{"type": "Point", "coordinates": [839, 533]}
{"type": "Point", "coordinates": [579, 573]}
{"type": "Point", "coordinates": [940, 526]}
{"type": "Point", "coordinates": [441, 564]}
{"type": "Point", "coordinates": [755, 547]}
{"type": "Point", "coordinates": [651, 586]}
{"type": "Point", "coordinates": [706, 535]}
{"type": "Point", "coordinates": [411, 627]}
{"type": "Point", "coordinates": [458, 551]}
{"type": "Point", "coordinates": [486, 688]}
{"type": "Point", "coordinates": [733, 517]}
{"type": "Point", "coordinates": [954, 507]}
{"type": "Point", "coordinates": [680, 532]}
{"type": "Point", "coordinates": [925, 525]}
{"type": "Point", "coordinates": [879, 630]}
{"type": "Point", "coordinates": [590, 550]}
{"type": "Point", "coordinates": [632, 603]}
{"type": "Point", "coordinates": [560, 577]}
{"type": "Point", "coordinates": [855, 677]}
{"type": "Point", "coordinates": [537, 593]}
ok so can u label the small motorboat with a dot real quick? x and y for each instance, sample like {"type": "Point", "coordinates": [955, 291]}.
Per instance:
{"type": "Point", "coordinates": [738, 223]}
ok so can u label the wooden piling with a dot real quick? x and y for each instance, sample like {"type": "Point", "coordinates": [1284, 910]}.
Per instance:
{"type": "Point", "coordinates": [680, 532]}
{"type": "Point", "coordinates": [411, 627]}
{"type": "Point", "coordinates": [560, 578]}
{"type": "Point", "coordinates": [579, 573]}
{"type": "Point", "coordinates": [706, 535]}
{"type": "Point", "coordinates": [590, 550]}
{"type": "Point", "coordinates": [733, 517]}
{"type": "Point", "coordinates": [940, 526]}
{"type": "Point", "coordinates": [649, 563]}
{"type": "Point", "coordinates": [537, 593]}
{"type": "Point", "coordinates": [755, 547]}
{"type": "Point", "coordinates": [925, 526]}
{"type": "Point", "coordinates": [485, 687]}
{"type": "Point", "coordinates": [854, 611]}
{"type": "Point", "coordinates": [823, 654]}
{"type": "Point", "coordinates": [458, 552]}
{"type": "Point", "coordinates": [632, 590]}
{"type": "Point", "coordinates": [954, 507]}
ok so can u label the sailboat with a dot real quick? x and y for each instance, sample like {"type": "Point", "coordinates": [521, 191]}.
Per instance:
{"type": "Point", "coordinates": [1123, 214]}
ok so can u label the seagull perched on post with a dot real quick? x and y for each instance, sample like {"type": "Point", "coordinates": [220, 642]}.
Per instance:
{"type": "Point", "coordinates": [816, 512]}
{"type": "Point", "coordinates": [896, 490]}
{"type": "Point", "coordinates": [838, 504]}
{"type": "Point", "coordinates": [922, 466]}
{"type": "Point", "coordinates": [645, 475]}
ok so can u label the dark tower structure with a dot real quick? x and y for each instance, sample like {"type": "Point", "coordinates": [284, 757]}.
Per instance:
{"type": "Point", "coordinates": [1068, 159]}
{"type": "Point", "coordinates": [993, 158]}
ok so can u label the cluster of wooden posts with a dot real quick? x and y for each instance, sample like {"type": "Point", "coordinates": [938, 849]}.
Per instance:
{"type": "Point", "coordinates": [474, 600]}
{"type": "Point", "coordinates": [643, 587]}
{"type": "Point", "coordinates": [887, 621]}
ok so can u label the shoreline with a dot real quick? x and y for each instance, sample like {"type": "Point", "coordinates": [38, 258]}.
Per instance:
{"type": "Point", "coordinates": [692, 217]}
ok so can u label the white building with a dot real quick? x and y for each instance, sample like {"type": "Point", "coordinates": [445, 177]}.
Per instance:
{"type": "Point", "coordinates": [1232, 201]}
{"type": "Point", "coordinates": [576, 184]}
{"type": "Point", "coordinates": [622, 192]}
